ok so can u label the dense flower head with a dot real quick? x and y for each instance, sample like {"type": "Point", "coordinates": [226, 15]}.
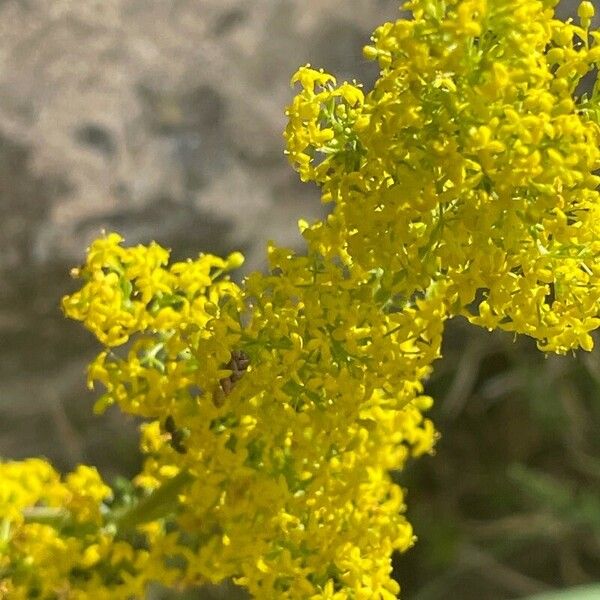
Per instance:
{"type": "Point", "coordinates": [473, 160]}
{"type": "Point", "coordinates": [275, 409]}
{"type": "Point", "coordinates": [289, 399]}
{"type": "Point", "coordinates": [52, 543]}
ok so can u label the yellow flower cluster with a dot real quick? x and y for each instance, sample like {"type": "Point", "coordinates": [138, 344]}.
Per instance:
{"type": "Point", "coordinates": [472, 161]}
{"type": "Point", "coordinates": [275, 411]}
{"type": "Point", "coordinates": [464, 184]}
{"type": "Point", "coordinates": [288, 399]}
{"type": "Point", "coordinates": [51, 542]}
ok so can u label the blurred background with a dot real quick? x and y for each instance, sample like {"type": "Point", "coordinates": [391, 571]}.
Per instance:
{"type": "Point", "coordinates": [162, 121]}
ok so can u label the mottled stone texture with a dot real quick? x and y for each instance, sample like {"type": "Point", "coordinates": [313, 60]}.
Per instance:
{"type": "Point", "coordinates": [161, 120]}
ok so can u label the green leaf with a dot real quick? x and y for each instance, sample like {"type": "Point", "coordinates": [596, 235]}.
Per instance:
{"type": "Point", "coordinates": [159, 504]}
{"type": "Point", "coordinates": [585, 592]}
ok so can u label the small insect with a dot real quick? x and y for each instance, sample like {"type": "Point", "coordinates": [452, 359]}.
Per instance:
{"type": "Point", "coordinates": [169, 424]}
{"type": "Point", "coordinates": [177, 435]}
{"type": "Point", "coordinates": [238, 365]}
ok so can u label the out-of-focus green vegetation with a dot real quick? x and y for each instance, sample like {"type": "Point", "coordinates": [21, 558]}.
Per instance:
{"type": "Point", "coordinates": [510, 504]}
{"type": "Point", "coordinates": [581, 592]}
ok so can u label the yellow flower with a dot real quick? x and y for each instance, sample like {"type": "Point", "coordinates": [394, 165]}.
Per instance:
{"type": "Point", "coordinates": [464, 183]}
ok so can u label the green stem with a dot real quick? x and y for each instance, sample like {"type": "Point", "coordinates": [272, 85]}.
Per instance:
{"type": "Point", "coordinates": [4, 530]}
{"type": "Point", "coordinates": [47, 515]}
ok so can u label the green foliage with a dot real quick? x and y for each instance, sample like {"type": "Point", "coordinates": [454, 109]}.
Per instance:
{"type": "Point", "coordinates": [509, 506]}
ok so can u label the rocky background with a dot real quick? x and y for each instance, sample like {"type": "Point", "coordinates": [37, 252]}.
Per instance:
{"type": "Point", "coordinates": [162, 120]}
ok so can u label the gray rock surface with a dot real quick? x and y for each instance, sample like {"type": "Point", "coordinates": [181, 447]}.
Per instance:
{"type": "Point", "coordinates": [161, 120]}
